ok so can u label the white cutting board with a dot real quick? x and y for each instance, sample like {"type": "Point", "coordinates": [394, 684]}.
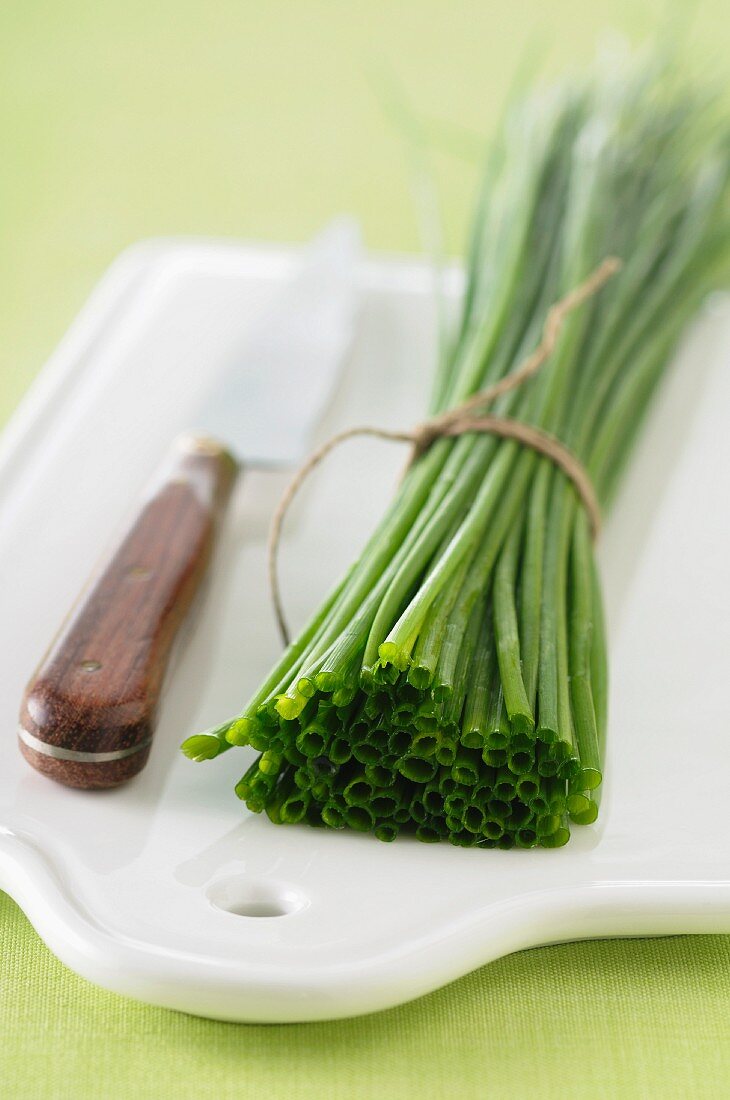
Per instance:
{"type": "Point", "coordinates": [168, 889]}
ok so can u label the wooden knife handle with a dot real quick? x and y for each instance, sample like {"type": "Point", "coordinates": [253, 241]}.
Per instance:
{"type": "Point", "coordinates": [88, 714]}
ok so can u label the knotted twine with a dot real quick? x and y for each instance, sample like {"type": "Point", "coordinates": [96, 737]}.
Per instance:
{"type": "Point", "coordinates": [462, 419]}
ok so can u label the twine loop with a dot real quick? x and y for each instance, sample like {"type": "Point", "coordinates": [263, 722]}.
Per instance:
{"type": "Point", "coordinates": [461, 419]}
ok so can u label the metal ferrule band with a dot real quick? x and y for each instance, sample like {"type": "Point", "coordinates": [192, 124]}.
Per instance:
{"type": "Point", "coordinates": [59, 753]}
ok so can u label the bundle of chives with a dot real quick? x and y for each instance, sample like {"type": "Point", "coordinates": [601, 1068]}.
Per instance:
{"type": "Point", "coordinates": [454, 684]}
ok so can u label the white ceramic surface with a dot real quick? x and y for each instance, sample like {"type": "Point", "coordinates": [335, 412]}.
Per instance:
{"type": "Point", "coordinates": [167, 889]}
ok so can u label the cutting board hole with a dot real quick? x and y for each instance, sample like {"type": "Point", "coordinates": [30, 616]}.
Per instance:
{"type": "Point", "coordinates": [242, 897]}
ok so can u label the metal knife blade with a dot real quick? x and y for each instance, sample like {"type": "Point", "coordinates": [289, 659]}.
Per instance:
{"type": "Point", "coordinates": [268, 400]}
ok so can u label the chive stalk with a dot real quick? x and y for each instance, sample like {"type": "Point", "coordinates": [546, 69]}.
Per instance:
{"type": "Point", "coordinates": [454, 684]}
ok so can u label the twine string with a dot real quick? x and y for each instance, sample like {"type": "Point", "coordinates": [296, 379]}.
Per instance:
{"type": "Point", "coordinates": [460, 420]}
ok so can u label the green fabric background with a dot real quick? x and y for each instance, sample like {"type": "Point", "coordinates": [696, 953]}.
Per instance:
{"type": "Point", "coordinates": [121, 119]}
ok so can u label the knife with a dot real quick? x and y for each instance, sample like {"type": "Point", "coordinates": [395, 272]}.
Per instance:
{"type": "Point", "coordinates": [89, 712]}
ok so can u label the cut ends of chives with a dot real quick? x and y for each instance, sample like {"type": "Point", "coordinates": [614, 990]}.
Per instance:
{"type": "Point", "coordinates": [440, 762]}
{"type": "Point", "coordinates": [454, 685]}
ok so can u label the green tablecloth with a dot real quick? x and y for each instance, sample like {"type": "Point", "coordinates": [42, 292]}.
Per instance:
{"type": "Point", "coordinates": [259, 119]}
{"type": "Point", "coordinates": [605, 1020]}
